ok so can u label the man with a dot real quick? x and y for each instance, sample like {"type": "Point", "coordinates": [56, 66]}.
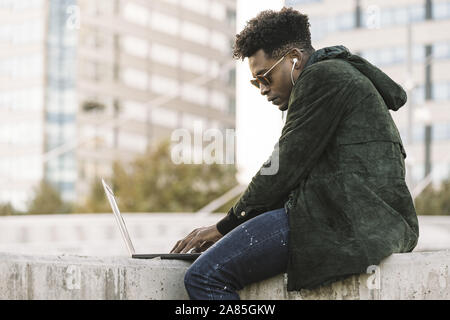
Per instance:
{"type": "Point", "coordinates": [338, 202]}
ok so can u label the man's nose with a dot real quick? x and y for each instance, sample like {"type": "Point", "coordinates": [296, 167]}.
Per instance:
{"type": "Point", "coordinates": [264, 89]}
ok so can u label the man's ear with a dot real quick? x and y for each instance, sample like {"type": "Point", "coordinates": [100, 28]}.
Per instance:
{"type": "Point", "coordinates": [298, 54]}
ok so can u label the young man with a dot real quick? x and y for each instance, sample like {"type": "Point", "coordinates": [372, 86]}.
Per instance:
{"type": "Point", "coordinates": [338, 202]}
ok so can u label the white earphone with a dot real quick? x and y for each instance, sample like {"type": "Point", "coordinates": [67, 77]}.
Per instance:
{"type": "Point", "coordinates": [293, 66]}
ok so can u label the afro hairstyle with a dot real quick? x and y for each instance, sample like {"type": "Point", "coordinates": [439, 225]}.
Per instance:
{"type": "Point", "coordinates": [274, 32]}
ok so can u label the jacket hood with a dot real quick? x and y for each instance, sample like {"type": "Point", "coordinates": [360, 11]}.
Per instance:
{"type": "Point", "coordinates": [393, 94]}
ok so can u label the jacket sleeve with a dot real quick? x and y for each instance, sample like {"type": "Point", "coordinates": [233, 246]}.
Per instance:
{"type": "Point", "coordinates": [316, 106]}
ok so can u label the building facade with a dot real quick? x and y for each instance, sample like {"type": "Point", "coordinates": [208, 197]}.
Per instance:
{"type": "Point", "coordinates": [22, 95]}
{"type": "Point", "coordinates": [409, 41]}
{"type": "Point", "coordinates": [111, 78]}
{"type": "Point", "coordinates": [154, 66]}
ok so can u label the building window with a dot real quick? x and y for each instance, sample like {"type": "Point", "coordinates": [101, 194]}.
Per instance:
{"type": "Point", "coordinates": [219, 41]}
{"type": "Point", "coordinates": [135, 46]}
{"type": "Point", "coordinates": [199, 6]}
{"type": "Point", "coordinates": [164, 117]}
{"type": "Point", "coordinates": [164, 23]}
{"type": "Point", "coordinates": [218, 11]}
{"type": "Point", "coordinates": [164, 85]}
{"type": "Point", "coordinates": [135, 78]}
{"type": "Point", "coordinates": [218, 100]}
{"type": "Point", "coordinates": [441, 10]}
{"type": "Point", "coordinates": [135, 13]}
{"type": "Point", "coordinates": [165, 54]}
{"type": "Point", "coordinates": [133, 110]}
{"type": "Point", "coordinates": [195, 32]}
{"type": "Point", "coordinates": [194, 94]}
{"type": "Point", "coordinates": [194, 63]}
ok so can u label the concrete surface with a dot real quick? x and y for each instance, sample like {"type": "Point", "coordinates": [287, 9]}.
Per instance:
{"type": "Point", "coordinates": [423, 275]}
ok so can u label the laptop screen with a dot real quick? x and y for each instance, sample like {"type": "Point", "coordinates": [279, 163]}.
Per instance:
{"type": "Point", "coordinates": [119, 219]}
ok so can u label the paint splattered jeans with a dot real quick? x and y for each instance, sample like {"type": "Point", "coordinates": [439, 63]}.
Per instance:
{"type": "Point", "coordinates": [253, 251]}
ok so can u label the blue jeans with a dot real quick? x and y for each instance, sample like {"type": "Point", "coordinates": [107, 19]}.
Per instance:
{"type": "Point", "coordinates": [253, 251]}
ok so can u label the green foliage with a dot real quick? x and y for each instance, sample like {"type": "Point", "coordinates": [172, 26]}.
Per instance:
{"type": "Point", "coordinates": [6, 209]}
{"type": "Point", "coordinates": [434, 201]}
{"type": "Point", "coordinates": [47, 200]}
{"type": "Point", "coordinates": [153, 183]}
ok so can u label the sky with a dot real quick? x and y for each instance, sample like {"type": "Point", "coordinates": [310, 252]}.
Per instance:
{"type": "Point", "coordinates": [258, 122]}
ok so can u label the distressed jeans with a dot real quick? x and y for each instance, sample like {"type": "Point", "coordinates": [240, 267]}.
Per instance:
{"type": "Point", "coordinates": [251, 252]}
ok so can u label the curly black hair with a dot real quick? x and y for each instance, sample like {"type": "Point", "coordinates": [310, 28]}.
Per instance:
{"type": "Point", "coordinates": [274, 32]}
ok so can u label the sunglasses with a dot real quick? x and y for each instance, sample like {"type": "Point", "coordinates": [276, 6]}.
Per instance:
{"type": "Point", "coordinates": [263, 79]}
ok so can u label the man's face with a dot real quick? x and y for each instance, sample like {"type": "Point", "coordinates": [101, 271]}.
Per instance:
{"type": "Point", "coordinates": [280, 87]}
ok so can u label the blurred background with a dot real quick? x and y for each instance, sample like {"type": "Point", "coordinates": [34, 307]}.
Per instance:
{"type": "Point", "coordinates": [97, 88]}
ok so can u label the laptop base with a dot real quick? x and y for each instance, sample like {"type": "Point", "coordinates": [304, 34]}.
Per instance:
{"type": "Point", "coordinates": [171, 256]}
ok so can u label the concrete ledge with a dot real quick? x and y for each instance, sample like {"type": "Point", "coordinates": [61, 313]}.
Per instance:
{"type": "Point", "coordinates": [422, 275]}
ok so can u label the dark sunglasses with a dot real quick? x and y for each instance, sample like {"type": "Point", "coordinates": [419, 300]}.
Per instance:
{"type": "Point", "coordinates": [262, 79]}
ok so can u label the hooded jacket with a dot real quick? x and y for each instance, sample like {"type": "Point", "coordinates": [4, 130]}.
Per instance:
{"type": "Point", "coordinates": [338, 169]}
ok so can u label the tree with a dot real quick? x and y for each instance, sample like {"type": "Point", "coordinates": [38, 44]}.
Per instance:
{"type": "Point", "coordinates": [47, 200]}
{"type": "Point", "coordinates": [153, 183]}
{"type": "Point", "coordinates": [6, 209]}
{"type": "Point", "coordinates": [434, 201]}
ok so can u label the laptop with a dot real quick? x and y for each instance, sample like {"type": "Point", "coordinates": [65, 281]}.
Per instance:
{"type": "Point", "coordinates": [127, 239]}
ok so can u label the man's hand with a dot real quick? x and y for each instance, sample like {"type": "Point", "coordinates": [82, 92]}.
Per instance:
{"type": "Point", "coordinates": [200, 239]}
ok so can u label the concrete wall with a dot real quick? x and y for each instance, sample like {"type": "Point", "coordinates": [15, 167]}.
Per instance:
{"type": "Point", "coordinates": [402, 276]}
{"type": "Point", "coordinates": [98, 235]}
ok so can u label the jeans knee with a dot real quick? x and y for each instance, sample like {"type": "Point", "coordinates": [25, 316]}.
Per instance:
{"type": "Point", "coordinates": [192, 278]}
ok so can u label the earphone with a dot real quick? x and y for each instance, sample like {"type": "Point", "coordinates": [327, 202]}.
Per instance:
{"type": "Point", "coordinates": [293, 66]}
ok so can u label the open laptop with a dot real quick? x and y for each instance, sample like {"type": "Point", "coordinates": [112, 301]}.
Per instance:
{"type": "Point", "coordinates": [127, 239]}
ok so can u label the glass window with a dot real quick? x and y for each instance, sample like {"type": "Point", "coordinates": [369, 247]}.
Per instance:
{"type": "Point", "coordinates": [219, 41]}
{"type": "Point", "coordinates": [419, 94]}
{"type": "Point", "coordinates": [200, 6]}
{"type": "Point", "coordinates": [218, 100]}
{"type": "Point", "coordinates": [387, 17]}
{"type": "Point", "coordinates": [218, 11]}
{"type": "Point", "coordinates": [417, 12]}
{"type": "Point", "coordinates": [164, 117]}
{"type": "Point", "coordinates": [132, 141]}
{"type": "Point", "coordinates": [400, 15]}
{"type": "Point", "coordinates": [165, 23]}
{"type": "Point", "coordinates": [399, 54]}
{"type": "Point", "coordinates": [194, 94]}
{"type": "Point", "coordinates": [441, 50]}
{"type": "Point", "coordinates": [418, 53]}
{"type": "Point", "coordinates": [195, 32]}
{"type": "Point", "coordinates": [441, 10]}
{"type": "Point", "coordinates": [164, 85]}
{"type": "Point", "coordinates": [165, 54]}
{"type": "Point", "coordinates": [133, 110]}
{"type": "Point", "coordinates": [441, 131]}
{"type": "Point", "coordinates": [135, 78]}
{"type": "Point", "coordinates": [346, 21]}
{"type": "Point", "coordinates": [135, 46]}
{"type": "Point", "coordinates": [441, 91]}
{"type": "Point", "coordinates": [135, 13]}
{"type": "Point", "coordinates": [194, 63]}
{"type": "Point", "coordinates": [386, 56]}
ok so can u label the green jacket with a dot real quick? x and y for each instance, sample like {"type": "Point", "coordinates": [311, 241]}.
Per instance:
{"type": "Point", "coordinates": [341, 172]}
